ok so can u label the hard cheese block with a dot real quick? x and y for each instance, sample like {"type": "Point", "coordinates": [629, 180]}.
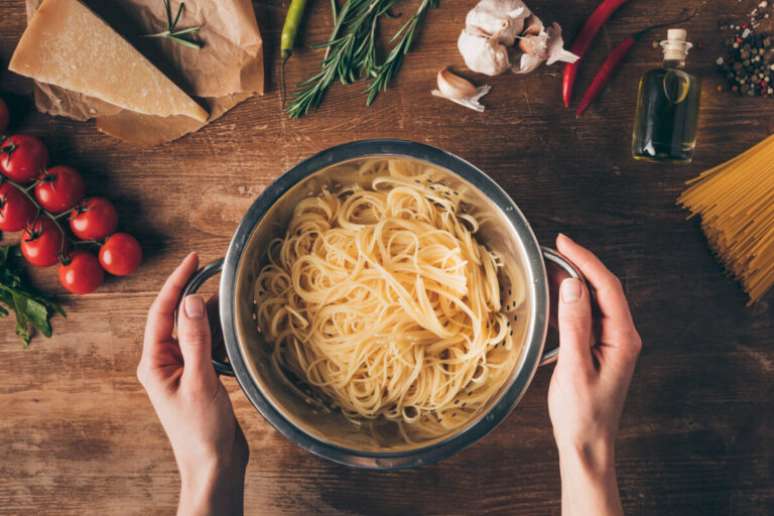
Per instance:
{"type": "Point", "coordinates": [67, 45]}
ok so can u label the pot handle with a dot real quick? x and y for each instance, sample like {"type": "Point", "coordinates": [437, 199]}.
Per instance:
{"type": "Point", "coordinates": [196, 281]}
{"type": "Point", "coordinates": [563, 269]}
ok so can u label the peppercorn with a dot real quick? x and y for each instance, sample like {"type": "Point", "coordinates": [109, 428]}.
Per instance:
{"type": "Point", "coordinates": [748, 67]}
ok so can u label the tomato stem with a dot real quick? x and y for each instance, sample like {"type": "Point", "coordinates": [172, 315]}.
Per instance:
{"type": "Point", "coordinates": [26, 192]}
{"type": "Point", "coordinates": [41, 211]}
{"type": "Point", "coordinates": [86, 242]}
{"type": "Point", "coordinates": [8, 149]}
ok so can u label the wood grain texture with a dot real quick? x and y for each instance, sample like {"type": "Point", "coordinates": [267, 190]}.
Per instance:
{"type": "Point", "coordinates": [78, 436]}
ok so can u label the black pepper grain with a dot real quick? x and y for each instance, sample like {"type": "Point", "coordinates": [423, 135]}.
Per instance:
{"type": "Point", "coordinates": [748, 67]}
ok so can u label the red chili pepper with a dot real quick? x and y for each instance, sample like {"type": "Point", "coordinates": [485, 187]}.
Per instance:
{"type": "Point", "coordinates": [583, 41]}
{"type": "Point", "coordinates": [613, 60]}
{"type": "Point", "coordinates": [605, 73]}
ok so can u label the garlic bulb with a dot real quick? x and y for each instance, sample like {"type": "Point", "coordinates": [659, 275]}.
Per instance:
{"type": "Point", "coordinates": [503, 19]}
{"type": "Point", "coordinates": [492, 29]}
{"type": "Point", "coordinates": [459, 90]}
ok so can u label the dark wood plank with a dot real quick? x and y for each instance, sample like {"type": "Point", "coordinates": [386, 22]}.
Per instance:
{"type": "Point", "coordinates": [77, 434]}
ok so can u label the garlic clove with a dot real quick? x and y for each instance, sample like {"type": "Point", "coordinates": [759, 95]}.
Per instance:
{"type": "Point", "coordinates": [556, 50]}
{"type": "Point", "coordinates": [478, 31]}
{"type": "Point", "coordinates": [535, 45]}
{"type": "Point", "coordinates": [452, 85]}
{"type": "Point", "coordinates": [528, 63]}
{"type": "Point", "coordinates": [533, 26]}
{"type": "Point", "coordinates": [483, 54]}
{"type": "Point", "coordinates": [459, 90]}
{"type": "Point", "coordinates": [546, 47]}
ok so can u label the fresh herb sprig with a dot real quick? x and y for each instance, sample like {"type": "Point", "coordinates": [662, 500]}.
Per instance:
{"type": "Point", "coordinates": [405, 38]}
{"type": "Point", "coordinates": [32, 310]}
{"type": "Point", "coordinates": [352, 51]}
{"type": "Point", "coordinates": [181, 36]}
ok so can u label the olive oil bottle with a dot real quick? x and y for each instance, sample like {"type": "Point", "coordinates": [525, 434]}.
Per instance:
{"type": "Point", "coordinates": [668, 106]}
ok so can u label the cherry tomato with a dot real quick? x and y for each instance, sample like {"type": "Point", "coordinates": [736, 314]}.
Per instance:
{"type": "Point", "coordinates": [93, 219]}
{"type": "Point", "coordinates": [22, 157]}
{"type": "Point", "coordinates": [120, 255]}
{"type": "Point", "coordinates": [16, 210]}
{"type": "Point", "coordinates": [81, 273]}
{"type": "Point", "coordinates": [42, 242]}
{"type": "Point", "coordinates": [5, 117]}
{"type": "Point", "coordinates": [59, 189]}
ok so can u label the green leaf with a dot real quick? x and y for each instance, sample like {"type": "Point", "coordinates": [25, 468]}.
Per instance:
{"type": "Point", "coordinates": [172, 33]}
{"type": "Point", "coordinates": [22, 323]}
{"type": "Point", "coordinates": [179, 15]}
{"type": "Point", "coordinates": [56, 308]}
{"type": "Point", "coordinates": [5, 296]}
{"type": "Point", "coordinates": [33, 311]}
{"type": "Point", "coordinates": [37, 314]}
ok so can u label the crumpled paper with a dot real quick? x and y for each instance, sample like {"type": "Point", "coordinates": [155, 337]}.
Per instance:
{"type": "Point", "coordinates": [227, 70]}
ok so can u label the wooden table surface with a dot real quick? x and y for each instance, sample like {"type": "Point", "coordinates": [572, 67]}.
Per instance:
{"type": "Point", "coordinates": [78, 435]}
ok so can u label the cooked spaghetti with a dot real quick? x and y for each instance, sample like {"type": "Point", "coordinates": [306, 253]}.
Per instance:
{"type": "Point", "coordinates": [381, 301]}
{"type": "Point", "coordinates": [736, 203]}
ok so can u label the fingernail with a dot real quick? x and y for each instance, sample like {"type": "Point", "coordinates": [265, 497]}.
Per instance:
{"type": "Point", "coordinates": [571, 290]}
{"type": "Point", "coordinates": [562, 235]}
{"type": "Point", "coordinates": [194, 306]}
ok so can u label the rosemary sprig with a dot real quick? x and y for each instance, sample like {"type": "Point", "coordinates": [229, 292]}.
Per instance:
{"type": "Point", "coordinates": [352, 51]}
{"type": "Point", "coordinates": [178, 36]}
{"type": "Point", "coordinates": [387, 70]}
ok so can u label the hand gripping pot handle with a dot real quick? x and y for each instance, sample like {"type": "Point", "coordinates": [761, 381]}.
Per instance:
{"type": "Point", "coordinates": [558, 269]}
{"type": "Point", "coordinates": [196, 281]}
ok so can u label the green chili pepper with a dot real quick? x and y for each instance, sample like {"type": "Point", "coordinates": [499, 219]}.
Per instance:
{"type": "Point", "coordinates": [288, 37]}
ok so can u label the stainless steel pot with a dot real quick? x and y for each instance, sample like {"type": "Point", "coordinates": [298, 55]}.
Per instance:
{"type": "Point", "coordinates": [329, 435]}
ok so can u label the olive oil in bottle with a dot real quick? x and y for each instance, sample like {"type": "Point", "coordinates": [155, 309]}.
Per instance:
{"type": "Point", "coordinates": [667, 106]}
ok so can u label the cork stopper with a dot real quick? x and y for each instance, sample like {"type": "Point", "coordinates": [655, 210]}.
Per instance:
{"type": "Point", "coordinates": [676, 46]}
{"type": "Point", "coordinates": [677, 35]}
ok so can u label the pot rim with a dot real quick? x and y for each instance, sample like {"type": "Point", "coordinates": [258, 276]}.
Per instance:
{"type": "Point", "coordinates": [535, 336]}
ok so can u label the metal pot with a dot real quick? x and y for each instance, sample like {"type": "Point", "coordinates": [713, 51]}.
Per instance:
{"type": "Point", "coordinates": [329, 435]}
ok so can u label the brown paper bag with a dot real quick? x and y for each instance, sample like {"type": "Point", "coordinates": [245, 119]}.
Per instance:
{"type": "Point", "coordinates": [227, 70]}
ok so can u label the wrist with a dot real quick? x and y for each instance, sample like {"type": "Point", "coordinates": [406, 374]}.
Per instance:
{"type": "Point", "coordinates": [589, 483]}
{"type": "Point", "coordinates": [210, 487]}
{"type": "Point", "coordinates": [590, 458]}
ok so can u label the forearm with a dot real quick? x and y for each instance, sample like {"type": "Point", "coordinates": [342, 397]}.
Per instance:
{"type": "Point", "coordinates": [589, 483]}
{"type": "Point", "coordinates": [212, 491]}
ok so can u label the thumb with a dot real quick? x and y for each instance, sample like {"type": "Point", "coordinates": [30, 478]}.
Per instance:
{"type": "Point", "coordinates": [574, 325]}
{"type": "Point", "coordinates": [193, 335]}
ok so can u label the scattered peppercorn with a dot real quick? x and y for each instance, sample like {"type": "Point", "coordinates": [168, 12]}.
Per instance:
{"type": "Point", "coordinates": [748, 67]}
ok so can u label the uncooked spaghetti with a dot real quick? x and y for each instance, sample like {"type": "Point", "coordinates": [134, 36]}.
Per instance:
{"type": "Point", "coordinates": [382, 301]}
{"type": "Point", "coordinates": [736, 203]}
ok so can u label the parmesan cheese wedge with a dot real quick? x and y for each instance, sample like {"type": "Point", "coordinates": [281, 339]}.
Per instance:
{"type": "Point", "coordinates": [69, 46]}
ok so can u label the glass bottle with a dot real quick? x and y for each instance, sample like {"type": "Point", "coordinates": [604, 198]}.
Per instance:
{"type": "Point", "coordinates": [668, 106]}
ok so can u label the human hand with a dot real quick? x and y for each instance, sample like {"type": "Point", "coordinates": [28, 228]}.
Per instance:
{"type": "Point", "coordinates": [191, 402]}
{"type": "Point", "coordinates": [590, 382]}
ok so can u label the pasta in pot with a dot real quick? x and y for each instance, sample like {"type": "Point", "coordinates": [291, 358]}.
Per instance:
{"type": "Point", "coordinates": [382, 301]}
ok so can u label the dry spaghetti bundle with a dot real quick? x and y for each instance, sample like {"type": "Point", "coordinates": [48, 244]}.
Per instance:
{"type": "Point", "coordinates": [736, 203]}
